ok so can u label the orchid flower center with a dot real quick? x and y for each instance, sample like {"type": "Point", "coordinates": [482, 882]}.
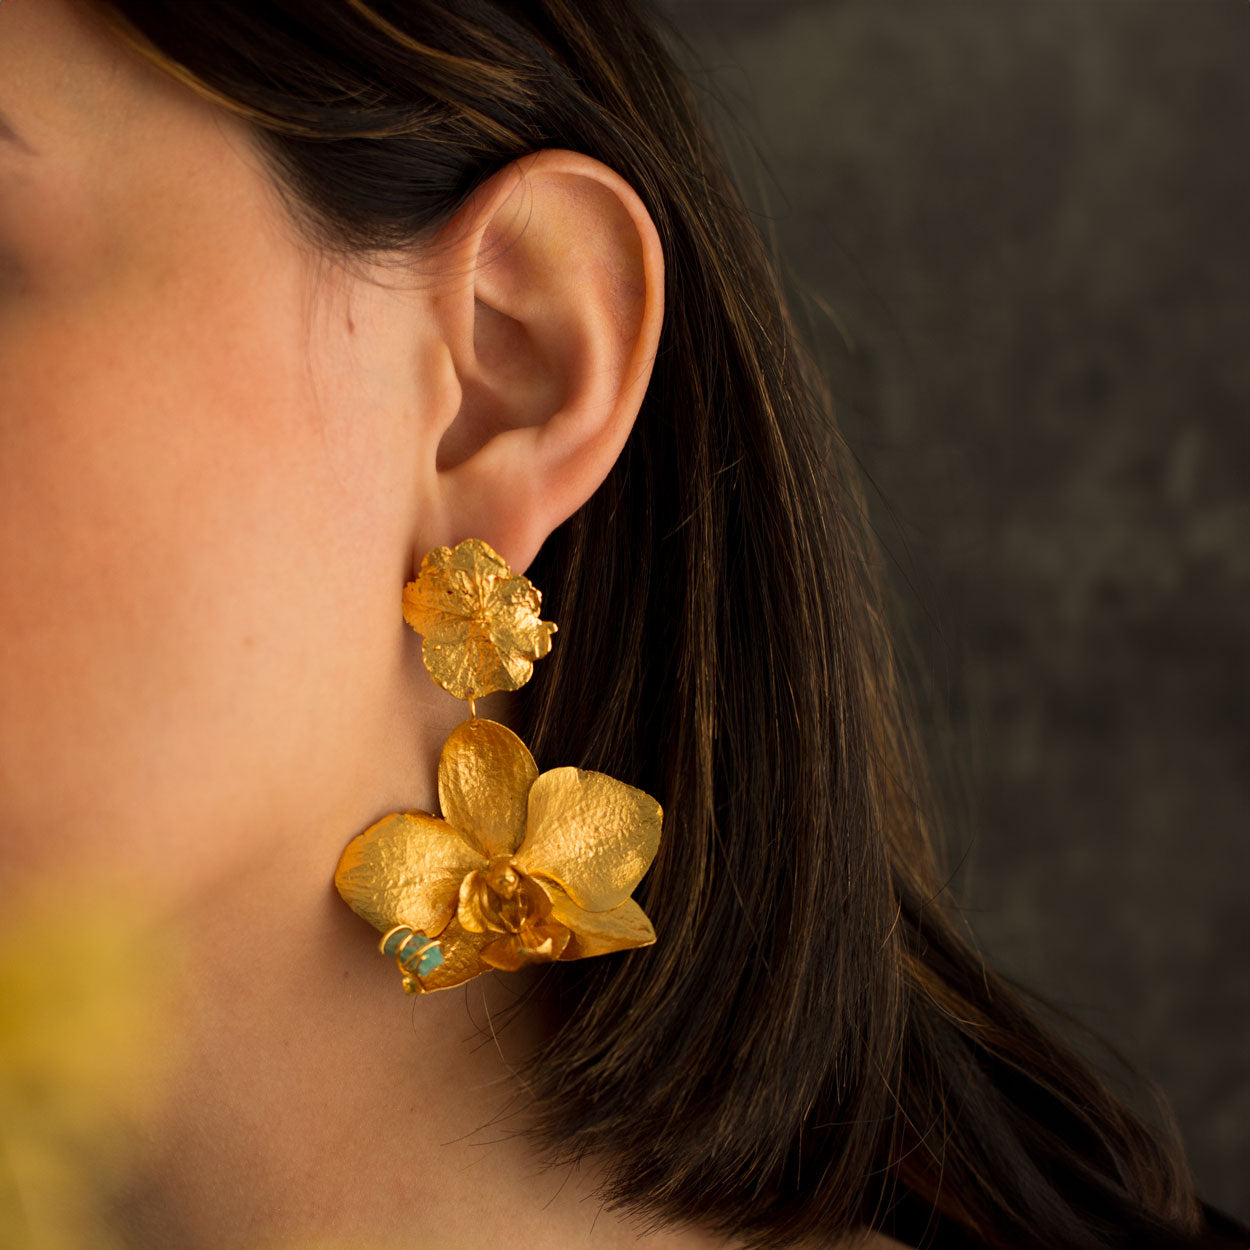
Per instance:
{"type": "Point", "coordinates": [506, 899]}
{"type": "Point", "coordinates": [502, 877]}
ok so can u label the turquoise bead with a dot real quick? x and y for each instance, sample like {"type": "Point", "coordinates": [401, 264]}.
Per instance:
{"type": "Point", "coordinates": [433, 958]}
{"type": "Point", "coordinates": [395, 941]}
{"type": "Point", "coordinates": [405, 943]}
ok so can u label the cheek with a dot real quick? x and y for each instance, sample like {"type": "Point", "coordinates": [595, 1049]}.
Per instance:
{"type": "Point", "coordinates": [189, 583]}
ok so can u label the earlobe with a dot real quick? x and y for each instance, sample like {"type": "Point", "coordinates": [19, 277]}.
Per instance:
{"type": "Point", "coordinates": [552, 339]}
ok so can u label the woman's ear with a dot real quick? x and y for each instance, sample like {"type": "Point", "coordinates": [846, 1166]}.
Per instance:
{"type": "Point", "coordinates": [551, 318]}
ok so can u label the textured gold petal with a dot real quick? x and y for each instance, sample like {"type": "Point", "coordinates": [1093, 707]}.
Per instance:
{"type": "Point", "coordinates": [512, 609]}
{"type": "Point", "coordinates": [600, 932]}
{"type": "Point", "coordinates": [467, 663]}
{"type": "Point", "coordinates": [446, 595]}
{"type": "Point", "coordinates": [461, 957]}
{"type": "Point", "coordinates": [435, 610]}
{"type": "Point", "coordinates": [484, 777]}
{"type": "Point", "coordinates": [470, 912]}
{"type": "Point", "coordinates": [480, 624]}
{"type": "Point", "coordinates": [512, 671]}
{"type": "Point", "coordinates": [436, 566]}
{"type": "Point", "coordinates": [493, 669]}
{"type": "Point", "coordinates": [545, 943]}
{"type": "Point", "coordinates": [406, 869]}
{"type": "Point", "coordinates": [477, 564]}
{"type": "Point", "coordinates": [591, 834]}
{"type": "Point", "coordinates": [466, 666]}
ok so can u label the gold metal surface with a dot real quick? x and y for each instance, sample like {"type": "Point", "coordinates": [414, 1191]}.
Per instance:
{"type": "Point", "coordinates": [523, 868]}
{"type": "Point", "coordinates": [484, 777]}
{"type": "Point", "coordinates": [480, 624]}
{"type": "Point", "coordinates": [461, 958]}
{"type": "Point", "coordinates": [591, 834]}
{"type": "Point", "coordinates": [601, 932]}
{"type": "Point", "coordinates": [406, 869]}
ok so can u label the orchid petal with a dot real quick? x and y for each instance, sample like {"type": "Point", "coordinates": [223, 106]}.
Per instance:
{"type": "Point", "coordinates": [461, 958]}
{"type": "Point", "coordinates": [470, 911]}
{"type": "Point", "coordinates": [600, 932]}
{"type": "Point", "coordinates": [406, 869]}
{"type": "Point", "coordinates": [484, 777]}
{"type": "Point", "coordinates": [592, 835]}
{"type": "Point", "coordinates": [544, 943]}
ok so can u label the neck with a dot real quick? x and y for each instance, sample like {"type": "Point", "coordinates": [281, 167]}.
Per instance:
{"type": "Point", "coordinates": [315, 1100]}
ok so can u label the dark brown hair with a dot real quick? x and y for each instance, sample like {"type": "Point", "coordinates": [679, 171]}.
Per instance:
{"type": "Point", "coordinates": [813, 1046]}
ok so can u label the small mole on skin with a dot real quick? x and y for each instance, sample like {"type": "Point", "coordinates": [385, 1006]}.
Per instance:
{"type": "Point", "coordinates": [351, 325]}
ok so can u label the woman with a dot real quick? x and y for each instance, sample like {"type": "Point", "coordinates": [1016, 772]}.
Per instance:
{"type": "Point", "coordinates": [297, 293]}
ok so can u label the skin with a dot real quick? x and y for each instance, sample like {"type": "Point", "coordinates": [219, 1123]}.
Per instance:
{"type": "Point", "coordinates": [221, 457]}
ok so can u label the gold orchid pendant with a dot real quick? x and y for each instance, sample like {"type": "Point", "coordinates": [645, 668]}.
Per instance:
{"type": "Point", "coordinates": [522, 867]}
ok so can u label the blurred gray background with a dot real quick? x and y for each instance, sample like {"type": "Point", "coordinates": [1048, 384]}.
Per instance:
{"type": "Point", "coordinates": [1023, 231]}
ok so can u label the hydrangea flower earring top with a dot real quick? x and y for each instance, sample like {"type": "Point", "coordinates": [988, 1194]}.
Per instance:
{"type": "Point", "coordinates": [521, 867]}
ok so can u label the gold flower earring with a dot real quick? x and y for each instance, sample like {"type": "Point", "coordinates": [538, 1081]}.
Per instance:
{"type": "Point", "coordinates": [521, 867]}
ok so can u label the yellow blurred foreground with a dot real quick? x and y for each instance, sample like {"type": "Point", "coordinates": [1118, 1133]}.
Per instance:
{"type": "Point", "coordinates": [84, 1052]}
